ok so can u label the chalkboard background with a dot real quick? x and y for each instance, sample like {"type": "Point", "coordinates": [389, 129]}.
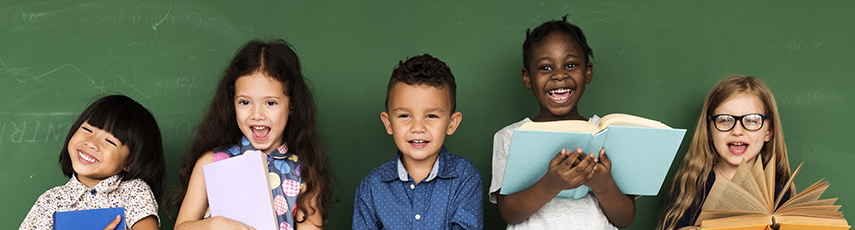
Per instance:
{"type": "Point", "coordinates": [655, 59]}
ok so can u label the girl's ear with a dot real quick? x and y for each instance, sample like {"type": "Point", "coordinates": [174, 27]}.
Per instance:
{"type": "Point", "coordinates": [589, 72]}
{"type": "Point", "coordinates": [769, 134]}
{"type": "Point", "coordinates": [526, 78]}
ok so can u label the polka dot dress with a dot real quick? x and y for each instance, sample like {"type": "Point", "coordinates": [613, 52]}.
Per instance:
{"type": "Point", "coordinates": [284, 178]}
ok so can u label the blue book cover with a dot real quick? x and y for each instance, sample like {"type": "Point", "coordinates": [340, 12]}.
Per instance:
{"type": "Point", "coordinates": [641, 156]}
{"type": "Point", "coordinates": [88, 219]}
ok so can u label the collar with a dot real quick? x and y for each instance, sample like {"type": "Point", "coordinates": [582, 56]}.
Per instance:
{"type": "Point", "coordinates": [279, 153]}
{"type": "Point", "coordinates": [74, 190]}
{"type": "Point", "coordinates": [443, 167]}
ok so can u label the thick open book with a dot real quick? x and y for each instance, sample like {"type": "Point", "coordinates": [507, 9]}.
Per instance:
{"type": "Point", "coordinates": [88, 219]}
{"type": "Point", "coordinates": [748, 201]}
{"type": "Point", "coordinates": [238, 189]}
{"type": "Point", "coordinates": [641, 151]}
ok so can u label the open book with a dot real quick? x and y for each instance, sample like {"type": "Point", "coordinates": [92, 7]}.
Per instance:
{"type": "Point", "coordinates": [238, 189]}
{"type": "Point", "coordinates": [748, 202]}
{"type": "Point", "coordinates": [641, 151]}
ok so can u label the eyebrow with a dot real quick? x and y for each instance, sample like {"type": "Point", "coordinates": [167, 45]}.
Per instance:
{"type": "Point", "coordinates": [440, 110]}
{"type": "Point", "coordinates": [565, 57]}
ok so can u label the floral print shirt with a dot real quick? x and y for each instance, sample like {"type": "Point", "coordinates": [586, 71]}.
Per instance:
{"type": "Point", "coordinates": [133, 195]}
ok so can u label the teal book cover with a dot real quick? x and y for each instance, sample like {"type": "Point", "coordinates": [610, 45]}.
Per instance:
{"type": "Point", "coordinates": [88, 219]}
{"type": "Point", "coordinates": [640, 156]}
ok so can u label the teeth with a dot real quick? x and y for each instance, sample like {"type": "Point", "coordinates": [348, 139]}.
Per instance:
{"type": "Point", "coordinates": [86, 157]}
{"type": "Point", "coordinates": [259, 127]}
{"type": "Point", "coordinates": [737, 143]}
{"type": "Point", "coordinates": [562, 90]}
{"type": "Point", "coordinates": [418, 141]}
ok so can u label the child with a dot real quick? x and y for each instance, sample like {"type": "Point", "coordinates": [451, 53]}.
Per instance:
{"type": "Point", "coordinates": [720, 144]}
{"type": "Point", "coordinates": [113, 155]}
{"type": "Point", "coordinates": [556, 69]}
{"type": "Point", "coordinates": [261, 103]}
{"type": "Point", "coordinates": [424, 186]}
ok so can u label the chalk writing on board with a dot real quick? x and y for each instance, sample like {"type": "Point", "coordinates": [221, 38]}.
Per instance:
{"type": "Point", "coordinates": [793, 45]}
{"type": "Point", "coordinates": [163, 50]}
{"type": "Point", "coordinates": [32, 131]}
{"type": "Point", "coordinates": [176, 130]}
{"type": "Point", "coordinates": [18, 131]}
{"type": "Point", "coordinates": [18, 73]}
{"type": "Point", "coordinates": [798, 98]}
{"type": "Point", "coordinates": [98, 80]}
{"type": "Point", "coordinates": [92, 15]}
{"type": "Point", "coordinates": [147, 14]}
{"type": "Point", "coordinates": [162, 86]}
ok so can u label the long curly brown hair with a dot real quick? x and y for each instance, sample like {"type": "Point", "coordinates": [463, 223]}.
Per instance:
{"type": "Point", "coordinates": [219, 126]}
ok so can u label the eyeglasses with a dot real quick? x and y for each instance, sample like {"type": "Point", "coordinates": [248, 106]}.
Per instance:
{"type": "Point", "coordinates": [725, 122]}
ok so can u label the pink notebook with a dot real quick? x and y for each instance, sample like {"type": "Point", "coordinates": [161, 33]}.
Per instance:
{"type": "Point", "coordinates": [238, 189]}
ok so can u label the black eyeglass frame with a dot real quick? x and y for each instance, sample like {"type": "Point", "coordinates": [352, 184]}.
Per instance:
{"type": "Point", "coordinates": [738, 119]}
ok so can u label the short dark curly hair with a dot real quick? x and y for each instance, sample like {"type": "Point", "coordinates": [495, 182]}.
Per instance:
{"type": "Point", "coordinates": [554, 26]}
{"type": "Point", "coordinates": [424, 70]}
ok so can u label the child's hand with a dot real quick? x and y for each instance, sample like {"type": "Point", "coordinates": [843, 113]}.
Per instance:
{"type": "Point", "coordinates": [114, 223]}
{"type": "Point", "coordinates": [602, 176]}
{"type": "Point", "coordinates": [568, 170]}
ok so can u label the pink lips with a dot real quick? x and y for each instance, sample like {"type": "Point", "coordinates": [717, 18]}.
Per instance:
{"type": "Point", "coordinates": [559, 95]}
{"type": "Point", "coordinates": [737, 148]}
{"type": "Point", "coordinates": [418, 143]}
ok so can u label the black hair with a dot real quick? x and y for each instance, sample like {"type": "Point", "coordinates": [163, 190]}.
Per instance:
{"type": "Point", "coordinates": [555, 26]}
{"type": "Point", "coordinates": [136, 128]}
{"type": "Point", "coordinates": [424, 70]}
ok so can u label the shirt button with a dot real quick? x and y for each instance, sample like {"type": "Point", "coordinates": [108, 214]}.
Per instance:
{"type": "Point", "coordinates": [418, 217]}
{"type": "Point", "coordinates": [93, 192]}
{"type": "Point", "coordinates": [412, 186]}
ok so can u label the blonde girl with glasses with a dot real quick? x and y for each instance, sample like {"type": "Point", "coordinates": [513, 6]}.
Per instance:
{"type": "Point", "coordinates": [738, 122]}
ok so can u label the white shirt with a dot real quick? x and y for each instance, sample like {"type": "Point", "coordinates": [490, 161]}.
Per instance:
{"type": "Point", "coordinates": [559, 213]}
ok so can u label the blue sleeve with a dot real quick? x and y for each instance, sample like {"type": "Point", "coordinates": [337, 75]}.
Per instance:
{"type": "Point", "coordinates": [469, 213]}
{"type": "Point", "coordinates": [363, 207]}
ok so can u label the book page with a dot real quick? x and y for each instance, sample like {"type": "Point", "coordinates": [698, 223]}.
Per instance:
{"type": "Point", "coordinates": [770, 179]}
{"type": "Point", "coordinates": [726, 195]}
{"type": "Point", "coordinates": [812, 193]}
{"type": "Point", "coordinates": [788, 185]}
{"type": "Point", "coordinates": [814, 203]}
{"type": "Point", "coordinates": [817, 211]}
{"type": "Point", "coordinates": [718, 214]}
{"type": "Point", "coordinates": [619, 119]}
{"type": "Point", "coordinates": [562, 126]}
{"type": "Point", "coordinates": [746, 220]}
{"type": "Point", "coordinates": [745, 180]}
{"type": "Point", "coordinates": [760, 177]}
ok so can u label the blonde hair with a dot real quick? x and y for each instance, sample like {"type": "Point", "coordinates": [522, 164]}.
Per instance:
{"type": "Point", "coordinates": [698, 162]}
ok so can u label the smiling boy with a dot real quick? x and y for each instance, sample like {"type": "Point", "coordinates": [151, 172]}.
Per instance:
{"type": "Point", "coordinates": [424, 186]}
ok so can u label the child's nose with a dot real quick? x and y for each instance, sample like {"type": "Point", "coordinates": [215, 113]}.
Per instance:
{"type": "Point", "coordinates": [256, 112]}
{"type": "Point", "coordinates": [737, 130]}
{"type": "Point", "coordinates": [418, 126]}
{"type": "Point", "coordinates": [90, 144]}
{"type": "Point", "coordinates": [560, 75]}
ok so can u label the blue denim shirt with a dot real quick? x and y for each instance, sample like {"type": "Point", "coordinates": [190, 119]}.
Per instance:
{"type": "Point", "coordinates": [452, 199]}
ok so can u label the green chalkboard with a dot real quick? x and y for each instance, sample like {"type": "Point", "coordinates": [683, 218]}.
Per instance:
{"type": "Point", "coordinates": [655, 59]}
